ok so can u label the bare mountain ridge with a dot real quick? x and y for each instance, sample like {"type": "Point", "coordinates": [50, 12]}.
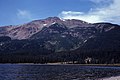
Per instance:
{"type": "Point", "coordinates": [25, 31]}
{"type": "Point", "coordinates": [52, 34]}
{"type": "Point", "coordinates": [54, 40]}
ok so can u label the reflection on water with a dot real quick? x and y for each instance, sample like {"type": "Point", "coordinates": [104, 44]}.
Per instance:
{"type": "Point", "coordinates": [55, 72]}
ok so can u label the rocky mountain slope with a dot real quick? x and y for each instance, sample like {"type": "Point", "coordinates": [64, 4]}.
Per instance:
{"type": "Point", "coordinates": [55, 35]}
{"type": "Point", "coordinates": [25, 31]}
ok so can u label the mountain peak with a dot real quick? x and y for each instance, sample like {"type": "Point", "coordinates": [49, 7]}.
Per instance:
{"type": "Point", "coordinates": [52, 18]}
{"type": "Point", "coordinates": [27, 30]}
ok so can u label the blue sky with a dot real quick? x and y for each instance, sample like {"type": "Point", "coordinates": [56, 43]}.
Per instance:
{"type": "Point", "coordinates": [13, 12]}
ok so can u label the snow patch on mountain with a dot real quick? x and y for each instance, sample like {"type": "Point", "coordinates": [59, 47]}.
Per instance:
{"type": "Point", "coordinates": [44, 24]}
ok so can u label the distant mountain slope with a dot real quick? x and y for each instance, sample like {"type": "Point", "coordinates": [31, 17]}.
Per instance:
{"type": "Point", "coordinates": [54, 39]}
{"type": "Point", "coordinates": [106, 40]}
{"type": "Point", "coordinates": [56, 35]}
{"type": "Point", "coordinates": [25, 31]}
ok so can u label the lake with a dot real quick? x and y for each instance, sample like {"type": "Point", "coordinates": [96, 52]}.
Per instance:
{"type": "Point", "coordinates": [55, 72]}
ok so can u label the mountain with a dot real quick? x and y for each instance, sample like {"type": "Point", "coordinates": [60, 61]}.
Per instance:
{"type": "Point", "coordinates": [54, 33]}
{"type": "Point", "coordinates": [103, 48]}
{"type": "Point", "coordinates": [107, 39]}
{"type": "Point", "coordinates": [25, 31]}
{"type": "Point", "coordinates": [58, 38]}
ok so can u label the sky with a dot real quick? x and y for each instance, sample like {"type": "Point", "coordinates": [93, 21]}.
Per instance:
{"type": "Point", "coordinates": [15, 12]}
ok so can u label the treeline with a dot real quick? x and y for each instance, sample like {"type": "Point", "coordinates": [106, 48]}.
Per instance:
{"type": "Point", "coordinates": [82, 57]}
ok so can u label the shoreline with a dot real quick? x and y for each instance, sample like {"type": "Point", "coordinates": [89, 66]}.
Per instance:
{"type": "Point", "coordinates": [100, 65]}
{"type": "Point", "coordinates": [111, 78]}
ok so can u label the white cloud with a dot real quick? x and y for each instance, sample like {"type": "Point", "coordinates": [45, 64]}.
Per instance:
{"type": "Point", "coordinates": [72, 13]}
{"type": "Point", "coordinates": [24, 14]}
{"type": "Point", "coordinates": [100, 1]}
{"type": "Point", "coordinates": [109, 13]}
{"type": "Point", "coordinates": [84, 16]}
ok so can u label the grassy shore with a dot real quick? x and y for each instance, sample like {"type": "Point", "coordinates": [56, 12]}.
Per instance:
{"type": "Point", "coordinates": [59, 63]}
{"type": "Point", "coordinates": [62, 63]}
{"type": "Point", "coordinates": [100, 65]}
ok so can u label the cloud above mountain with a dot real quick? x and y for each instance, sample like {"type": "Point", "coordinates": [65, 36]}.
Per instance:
{"type": "Point", "coordinates": [24, 14]}
{"type": "Point", "coordinates": [105, 11]}
{"type": "Point", "coordinates": [101, 1]}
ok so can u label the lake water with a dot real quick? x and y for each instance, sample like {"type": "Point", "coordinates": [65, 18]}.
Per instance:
{"type": "Point", "coordinates": [55, 72]}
